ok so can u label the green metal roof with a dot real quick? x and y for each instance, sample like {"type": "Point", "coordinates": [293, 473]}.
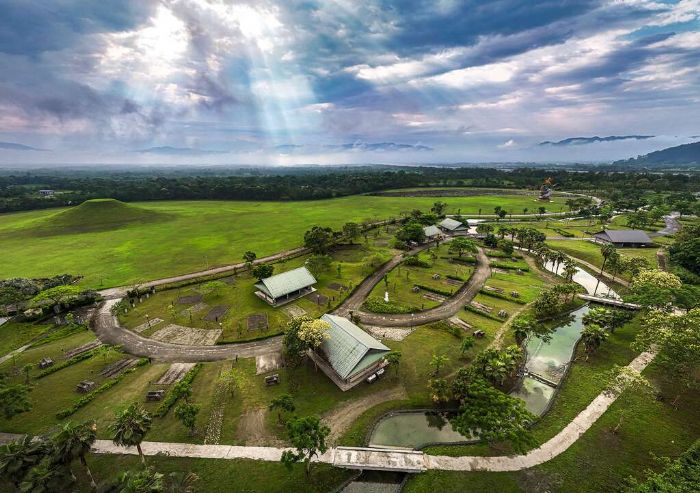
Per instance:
{"type": "Point", "coordinates": [431, 231]}
{"type": "Point", "coordinates": [349, 348]}
{"type": "Point", "coordinates": [286, 282]}
{"type": "Point", "coordinates": [451, 224]}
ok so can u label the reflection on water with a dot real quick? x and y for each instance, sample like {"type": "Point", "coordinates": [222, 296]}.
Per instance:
{"type": "Point", "coordinates": [546, 363]}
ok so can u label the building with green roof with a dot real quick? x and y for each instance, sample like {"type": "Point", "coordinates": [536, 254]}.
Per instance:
{"type": "Point", "coordinates": [350, 354]}
{"type": "Point", "coordinates": [285, 287]}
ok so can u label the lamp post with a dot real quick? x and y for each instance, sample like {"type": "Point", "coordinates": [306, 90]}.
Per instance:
{"type": "Point", "coordinates": [148, 320]}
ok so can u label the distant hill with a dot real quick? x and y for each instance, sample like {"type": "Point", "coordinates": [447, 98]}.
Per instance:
{"type": "Point", "coordinates": [95, 215]}
{"type": "Point", "coordinates": [682, 155]}
{"type": "Point", "coordinates": [575, 141]}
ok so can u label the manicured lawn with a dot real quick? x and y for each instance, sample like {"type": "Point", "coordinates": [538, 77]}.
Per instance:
{"type": "Point", "coordinates": [16, 334]}
{"type": "Point", "coordinates": [400, 281]}
{"type": "Point", "coordinates": [349, 267]}
{"type": "Point", "coordinates": [190, 236]}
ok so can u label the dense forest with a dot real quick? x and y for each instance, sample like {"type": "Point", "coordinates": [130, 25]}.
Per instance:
{"type": "Point", "coordinates": [20, 190]}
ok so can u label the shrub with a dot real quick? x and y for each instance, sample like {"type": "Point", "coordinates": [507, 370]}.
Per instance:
{"type": "Point", "coordinates": [494, 294]}
{"type": "Point", "coordinates": [564, 233]}
{"type": "Point", "coordinates": [172, 396]}
{"type": "Point", "coordinates": [416, 261]}
{"type": "Point", "coordinates": [463, 260]}
{"type": "Point", "coordinates": [377, 305]}
{"type": "Point", "coordinates": [434, 290]}
{"type": "Point", "coordinates": [65, 364]}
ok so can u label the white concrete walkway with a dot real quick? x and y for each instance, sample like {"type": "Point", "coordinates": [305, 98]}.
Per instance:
{"type": "Point", "coordinates": [380, 459]}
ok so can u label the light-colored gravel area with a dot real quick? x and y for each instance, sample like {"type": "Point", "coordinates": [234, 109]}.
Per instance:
{"type": "Point", "coordinates": [189, 336]}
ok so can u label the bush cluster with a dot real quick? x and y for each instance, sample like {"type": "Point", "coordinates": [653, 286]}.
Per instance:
{"type": "Point", "coordinates": [172, 396]}
{"type": "Point", "coordinates": [377, 305]}
{"type": "Point", "coordinates": [442, 292]}
{"type": "Point", "coordinates": [502, 296]}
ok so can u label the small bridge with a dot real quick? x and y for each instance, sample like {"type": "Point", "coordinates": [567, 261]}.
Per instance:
{"type": "Point", "coordinates": [609, 301]}
{"type": "Point", "coordinates": [375, 459]}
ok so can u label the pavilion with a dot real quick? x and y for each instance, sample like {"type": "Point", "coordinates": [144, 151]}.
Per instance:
{"type": "Point", "coordinates": [432, 232]}
{"type": "Point", "coordinates": [450, 225]}
{"type": "Point", "coordinates": [350, 354]}
{"type": "Point", "coordinates": [285, 287]}
{"type": "Point", "coordinates": [624, 238]}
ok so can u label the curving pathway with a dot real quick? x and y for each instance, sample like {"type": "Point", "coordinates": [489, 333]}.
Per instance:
{"type": "Point", "coordinates": [108, 330]}
{"type": "Point", "coordinates": [451, 306]}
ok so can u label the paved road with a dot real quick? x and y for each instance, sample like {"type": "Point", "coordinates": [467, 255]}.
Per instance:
{"type": "Point", "coordinates": [108, 330]}
{"type": "Point", "coordinates": [672, 227]}
{"type": "Point", "coordinates": [465, 294]}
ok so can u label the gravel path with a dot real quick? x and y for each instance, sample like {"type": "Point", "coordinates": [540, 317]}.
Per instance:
{"type": "Point", "coordinates": [673, 226]}
{"type": "Point", "coordinates": [446, 310]}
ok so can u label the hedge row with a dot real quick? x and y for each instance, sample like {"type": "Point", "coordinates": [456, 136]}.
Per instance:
{"type": "Point", "coordinates": [564, 233]}
{"type": "Point", "coordinates": [462, 260]}
{"type": "Point", "coordinates": [502, 296]}
{"type": "Point", "coordinates": [376, 305]}
{"type": "Point", "coordinates": [497, 254]}
{"type": "Point", "coordinates": [455, 278]}
{"type": "Point", "coordinates": [415, 261]}
{"type": "Point", "coordinates": [69, 362]}
{"type": "Point", "coordinates": [87, 398]}
{"type": "Point", "coordinates": [470, 308]}
{"type": "Point", "coordinates": [434, 290]}
{"type": "Point", "coordinates": [175, 394]}
{"type": "Point", "coordinates": [504, 265]}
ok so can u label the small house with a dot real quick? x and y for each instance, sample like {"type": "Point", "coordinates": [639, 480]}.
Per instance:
{"type": "Point", "coordinates": [286, 287]}
{"type": "Point", "coordinates": [450, 225]}
{"type": "Point", "coordinates": [46, 193]}
{"type": "Point", "coordinates": [432, 233]}
{"type": "Point", "coordinates": [624, 238]}
{"type": "Point", "coordinates": [349, 355]}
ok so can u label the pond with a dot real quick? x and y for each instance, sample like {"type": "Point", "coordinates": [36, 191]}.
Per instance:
{"type": "Point", "coordinates": [545, 367]}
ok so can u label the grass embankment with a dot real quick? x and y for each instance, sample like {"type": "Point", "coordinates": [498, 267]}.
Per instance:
{"type": "Point", "coordinates": [601, 459]}
{"type": "Point", "coordinates": [153, 240]}
{"type": "Point", "coordinates": [15, 334]}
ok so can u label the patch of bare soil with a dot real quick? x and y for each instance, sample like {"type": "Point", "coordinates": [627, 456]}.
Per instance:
{"type": "Point", "coordinates": [251, 429]}
{"type": "Point", "coordinates": [340, 418]}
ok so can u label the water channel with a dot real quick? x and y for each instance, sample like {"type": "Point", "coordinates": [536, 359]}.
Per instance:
{"type": "Point", "coordinates": [545, 367]}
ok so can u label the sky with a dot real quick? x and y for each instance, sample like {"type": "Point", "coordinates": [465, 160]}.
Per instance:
{"type": "Point", "coordinates": [345, 81]}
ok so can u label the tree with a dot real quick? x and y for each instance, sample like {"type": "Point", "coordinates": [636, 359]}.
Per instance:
{"type": "Point", "coordinates": [506, 247]}
{"type": "Point", "coordinates": [676, 337]}
{"type": "Point", "coordinates": [492, 415]}
{"type": "Point", "coordinates": [439, 390]}
{"type": "Point", "coordinates": [461, 244]}
{"type": "Point", "coordinates": [496, 365]}
{"type": "Point", "coordinates": [19, 457]}
{"type": "Point", "coordinates": [439, 208]}
{"type": "Point", "coordinates": [183, 389]}
{"type": "Point", "coordinates": [231, 379]}
{"type": "Point", "coordinates": [318, 239]}
{"type": "Point", "coordinates": [215, 288]}
{"type": "Point", "coordinates": [541, 210]}
{"type": "Point", "coordinates": [187, 414]}
{"type": "Point", "coordinates": [393, 358]}
{"type": "Point", "coordinates": [74, 441]}
{"type": "Point", "coordinates": [182, 482]}
{"type": "Point", "coordinates": [313, 332]}
{"type": "Point", "coordinates": [26, 369]}
{"type": "Point", "coordinates": [294, 347]}
{"type": "Point", "coordinates": [500, 215]}
{"type": "Point", "coordinates": [524, 326]}
{"type": "Point", "coordinates": [282, 403]}
{"type": "Point", "coordinates": [685, 250]}
{"type": "Point", "coordinates": [655, 289]}
{"type": "Point", "coordinates": [411, 231]}
{"type": "Point", "coordinates": [606, 250]}
{"type": "Point", "coordinates": [570, 270]}
{"type": "Point", "coordinates": [144, 481]}
{"type": "Point", "coordinates": [249, 257]}
{"type": "Point", "coordinates": [592, 337]}
{"type": "Point", "coordinates": [308, 436]}
{"type": "Point", "coordinates": [319, 264]}
{"type": "Point", "coordinates": [14, 398]}
{"type": "Point", "coordinates": [263, 271]}
{"type": "Point", "coordinates": [46, 477]}
{"type": "Point", "coordinates": [465, 345]}
{"type": "Point", "coordinates": [484, 228]}
{"type": "Point", "coordinates": [130, 427]}
{"type": "Point", "coordinates": [437, 362]}
{"type": "Point", "coordinates": [351, 231]}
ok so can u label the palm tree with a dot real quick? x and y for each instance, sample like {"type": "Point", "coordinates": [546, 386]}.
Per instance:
{"type": "Point", "coordinates": [47, 477]}
{"type": "Point", "coordinates": [144, 481]}
{"type": "Point", "coordinates": [131, 426]}
{"type": "Point", "coordinates": [182, 482]}
{"type": "Point", "coordinates": [282, 403]}
{"type": "Point", "coordinates": [74, 441]}
{"type": "Point", "coordinates": [570, 270]}
{"type": "Point", "coordinates": [17, 458]}
{"type": "Point", "coordinates": [607, 250]}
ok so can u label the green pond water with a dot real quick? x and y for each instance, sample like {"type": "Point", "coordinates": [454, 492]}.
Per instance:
{"type": "Point", "coordinates": [546, 360]}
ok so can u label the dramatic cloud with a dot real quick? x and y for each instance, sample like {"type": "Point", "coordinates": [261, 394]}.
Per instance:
{"type": "Point", "coordinates": [265, 81]}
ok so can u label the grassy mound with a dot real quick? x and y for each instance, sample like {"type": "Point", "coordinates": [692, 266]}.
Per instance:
{"type": "Point", "coordinates": [96, 215]}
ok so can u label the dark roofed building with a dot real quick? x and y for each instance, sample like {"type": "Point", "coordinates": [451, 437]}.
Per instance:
{"type": "Point", "coordinates": [350, 354]}
{"type": "Point", "coordinates": [285, 287]}
{"type": "Point", "coordinates": [451, 225]}
{"type": "Point", "coordinates": [624, 238]}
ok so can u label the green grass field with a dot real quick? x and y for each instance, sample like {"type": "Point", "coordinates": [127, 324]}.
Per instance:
{"type": "Point", "coordinates": [119, 245]}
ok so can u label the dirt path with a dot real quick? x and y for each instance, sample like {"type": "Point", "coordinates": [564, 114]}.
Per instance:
{"type": "Point", "coordinates": [465, 294]}
{"type": "Point", "coordinates": [251, 429]}
{"type": "Point", "coordinates": [343, 416]}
